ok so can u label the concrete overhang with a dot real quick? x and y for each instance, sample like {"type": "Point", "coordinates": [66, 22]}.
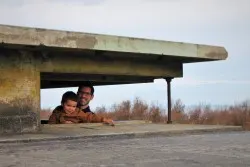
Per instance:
{"type": "Point", "coordinates": [65, 59]}
{"type": "Point", "coordinates": [32, 59]}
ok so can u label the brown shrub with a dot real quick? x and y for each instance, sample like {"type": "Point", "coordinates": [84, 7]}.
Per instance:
{"type": "Point", "coordinates": [178, 106]}
{"type": "Point", "coordinates": [155, 114]}
{"type": "Point", "coordinates": [102, 111]}
{"type": "Point", "coordinates": [178, 112]}
{"type": "Point", "coordinates": [139, 110]}
{"type": "Point", "coordinates": [121, 111]}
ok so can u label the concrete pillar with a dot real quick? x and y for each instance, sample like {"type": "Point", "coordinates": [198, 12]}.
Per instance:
{"type": "Point", "coordinates": [19, 92]}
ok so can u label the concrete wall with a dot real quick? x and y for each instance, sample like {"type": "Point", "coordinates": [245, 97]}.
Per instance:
{"type": "Point", "coordinates": [19, 92]}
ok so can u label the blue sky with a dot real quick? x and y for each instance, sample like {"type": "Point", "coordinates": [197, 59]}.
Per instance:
{"type": "Point", "coordinates": [213, 22]}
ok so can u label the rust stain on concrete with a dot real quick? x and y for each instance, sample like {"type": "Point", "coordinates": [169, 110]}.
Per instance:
{"type": "Point", "coordinates": [18, 116]}
{"type": "Point", "coordinates": [215, 55]}
{"type": "Point", "coordinates": [211, 52]}
{"type": "Point", "coordinates": [45, 37]}
{"type": "Point", "coordinates": [78, 42]}
{"type": "Point", "coordinates": [24, 37]}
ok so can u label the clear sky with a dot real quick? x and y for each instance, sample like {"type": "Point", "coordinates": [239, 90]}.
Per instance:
{"type": "Point", "coordinates": [213, 22]}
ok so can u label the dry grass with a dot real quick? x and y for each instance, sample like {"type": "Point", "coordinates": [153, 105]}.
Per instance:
{"type": "Point", "coordinates": [138, 109]}
{"type": "Point", "coordinates": [45, 114]}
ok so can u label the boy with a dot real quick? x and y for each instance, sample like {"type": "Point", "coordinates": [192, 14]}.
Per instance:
{"type": "Point", "coordinates": [68, 112]}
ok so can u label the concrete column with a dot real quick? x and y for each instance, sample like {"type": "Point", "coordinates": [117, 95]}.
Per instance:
{"type": "Point", "coordinates": [169, 99]}
{"type": "Point", "coordinates": [19, 92]}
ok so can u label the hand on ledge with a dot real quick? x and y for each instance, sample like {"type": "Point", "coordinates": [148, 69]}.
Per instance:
{"type": "Point", "coordinates": [108, 121]}
{"type": "Point", "coordinates": [68, 122]}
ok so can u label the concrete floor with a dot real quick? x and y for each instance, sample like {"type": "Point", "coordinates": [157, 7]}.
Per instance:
{"type": "Point", "coordinates": [121, 130]}
{"type": "Point", "coordinates": [207, 150]}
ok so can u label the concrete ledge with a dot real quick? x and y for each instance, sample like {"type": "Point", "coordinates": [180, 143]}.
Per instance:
{"type": "Point", "coordinates": [120, 131]}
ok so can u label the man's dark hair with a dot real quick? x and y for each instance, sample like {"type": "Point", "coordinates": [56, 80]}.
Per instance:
{"type": "Point", "coordinates": [69, 95]}
{"type": "Point", "coordinates": [87, 84]}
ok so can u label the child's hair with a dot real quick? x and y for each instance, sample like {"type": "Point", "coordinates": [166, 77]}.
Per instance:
{"type": "Point", "coordinates": [69, 95]}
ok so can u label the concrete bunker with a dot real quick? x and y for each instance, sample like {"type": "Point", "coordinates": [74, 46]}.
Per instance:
{"type": "Point", "coordinates": [32, 59]}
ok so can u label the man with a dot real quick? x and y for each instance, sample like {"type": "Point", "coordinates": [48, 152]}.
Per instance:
{"type": "Point", "coordinates": [85, 94]}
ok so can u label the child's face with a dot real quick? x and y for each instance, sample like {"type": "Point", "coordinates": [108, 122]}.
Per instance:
{"type": "Point", "coordinates": [69, 106]}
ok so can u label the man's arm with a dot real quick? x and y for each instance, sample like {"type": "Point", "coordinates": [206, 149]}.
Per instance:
{"type": "Point", "coordinates": [93, 118]}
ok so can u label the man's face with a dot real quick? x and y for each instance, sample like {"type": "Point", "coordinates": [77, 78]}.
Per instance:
{"type": "Point", "coordinates": [85, 96]}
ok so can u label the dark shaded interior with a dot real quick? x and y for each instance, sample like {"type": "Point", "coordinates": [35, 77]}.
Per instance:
{"type": "Point", "coordinates": [60, 80]}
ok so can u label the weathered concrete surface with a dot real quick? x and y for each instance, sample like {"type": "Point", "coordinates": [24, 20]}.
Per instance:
{"type": "Point", "coordinates": [76, 40]}
{"type": "Point", "coordinates": [19, 92]}
{"type": "Point", "coordinates": [121, 130]}
{"type": "Point", "coordinates": [206, 150]}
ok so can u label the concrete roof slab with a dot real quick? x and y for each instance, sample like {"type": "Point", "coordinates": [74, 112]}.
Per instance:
{"type": "Point", "coordinates": [187, 52]}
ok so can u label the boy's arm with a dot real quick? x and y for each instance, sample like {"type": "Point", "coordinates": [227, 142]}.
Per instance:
{"type": "Point", "coordinates": [71, 119]}
{"type": "Point", "coordinates": [53, 119]}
